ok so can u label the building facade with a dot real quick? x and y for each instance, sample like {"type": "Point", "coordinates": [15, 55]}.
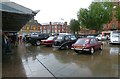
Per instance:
{"type": "Point", "coordinates": [51, 27]}
{"type": "Point", "coordinates": [54, 27]}
{"type": "Point", "coordinates": [31, 26]}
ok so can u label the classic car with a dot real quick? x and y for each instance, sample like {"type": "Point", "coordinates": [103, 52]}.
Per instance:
{"type": "Point", "coordinates": [36, 38]}
{"type": "Point", "coordinates": [64, 41]}
{"type": "Point", "coordinates": [49, 41]}
{"type": "Point", "coordinates": [87, 44]}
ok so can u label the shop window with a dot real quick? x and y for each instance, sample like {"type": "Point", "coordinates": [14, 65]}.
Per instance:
{"type": "Point", "coordinates": [27, 28]}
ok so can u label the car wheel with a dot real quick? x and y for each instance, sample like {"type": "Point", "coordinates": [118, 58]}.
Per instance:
{"type": "Point", "coordinates": [66, 47]}
{"type": "Point", "coordinates": [76, 51]}
{"type": "Point", "coordinates": [92, 50]}
{"type": "Point", "coordinates": [38, 43]}
{"type": "Point", "coordinates": [101, 47]}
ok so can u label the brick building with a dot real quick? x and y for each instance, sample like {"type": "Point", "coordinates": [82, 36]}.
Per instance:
{"type": "Point", "coordinates": [31, 26]}
{"type": "Point", "coordinates": [51, 27]}
{"type": "Point", "coordinates": [54, 27]}
{"type": "Point", "coordinates": [114, 23]}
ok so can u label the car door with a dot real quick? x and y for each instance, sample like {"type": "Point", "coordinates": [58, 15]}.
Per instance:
{"type": "Point", "coordinates": [96, 44]}
{"type": "Point", "coordinates": [73, 39]}
{"type": "Point", "coordinates": [67, 40]}
{"type": "Point", "coordinates": [93, 44]}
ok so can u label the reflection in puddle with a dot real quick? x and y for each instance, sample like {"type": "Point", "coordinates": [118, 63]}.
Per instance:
{"type": "Point", "coordinates": [68, 63]}
{"type": "Point", "coordinates": [114, 50]}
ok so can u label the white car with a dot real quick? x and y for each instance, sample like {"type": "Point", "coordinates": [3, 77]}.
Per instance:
{"type": "Point", "coordinates": [100, 37]}
{"type": "Point", "coordinates": [115, 37]}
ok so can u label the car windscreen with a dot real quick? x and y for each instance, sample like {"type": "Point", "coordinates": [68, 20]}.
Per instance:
{"type": "Point", "coordinates": [90, 36]}
{"type": "Point", "coordinates": [50, 38]}
{"type": "Point", "coordinates": [60, 38]}
{"type": "Point", "coordinates": [82, 41]}
{"type": "Point", "coordinates": [116, 35]}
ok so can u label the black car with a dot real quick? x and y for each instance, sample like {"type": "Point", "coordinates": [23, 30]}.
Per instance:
{"type": "Point", "coordinates": [35, 40]}
{"type": "Point", "coordinates": [64, 41]}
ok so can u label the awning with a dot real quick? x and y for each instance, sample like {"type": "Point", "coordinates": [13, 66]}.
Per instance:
{"type": "Point", "coordinates": [14, 16]}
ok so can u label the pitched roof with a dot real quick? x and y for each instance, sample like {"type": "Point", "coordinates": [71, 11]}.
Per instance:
{"type": "Point", "coordinates": [15, 8]}
{"type": "Point", "coordinates": [15, 16]}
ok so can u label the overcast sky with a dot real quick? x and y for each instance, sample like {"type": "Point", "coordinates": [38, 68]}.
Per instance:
{"type": "Point", "coordinates": [54, 10]}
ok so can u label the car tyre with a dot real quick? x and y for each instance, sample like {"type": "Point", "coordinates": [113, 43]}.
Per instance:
{"type": "Point", "coordinates": [76, 51]}
{"type": "Point", "coordinates": [66, 47]}
{"type": "Point", "coordinates": [92, 50]}
{"type": "Point", "coordinates": [38, 43]}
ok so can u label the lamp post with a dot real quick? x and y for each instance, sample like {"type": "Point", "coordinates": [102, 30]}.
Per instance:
{"type": "Point", "coordinates": [113, 19]}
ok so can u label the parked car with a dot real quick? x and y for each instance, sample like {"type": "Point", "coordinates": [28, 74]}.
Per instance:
{"type": "Point", "coordinates": [115, 37]}
{"type": "Point", "coordinates": [36, 39]}
{"type": "Point", "coordinates": [35, 34]}
{"type": "Point", "coordinates": [80, 35]}
{"type": "Point", "coordinates": [100, 37]}
{"type": "Point", "coordinates": [64, 41]}
{"type": "Point", "coordinates": [87, 44]}
{"type": "Point", "coordinates": [49, 41]}
{"type": "Point", "coordinates": [91, 36]}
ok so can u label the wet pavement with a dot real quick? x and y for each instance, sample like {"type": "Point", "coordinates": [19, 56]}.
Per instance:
{"type": "Point", "coordinates": [42, 61]}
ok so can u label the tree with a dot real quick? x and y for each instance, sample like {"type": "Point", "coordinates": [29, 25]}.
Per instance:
{"type": "Point", "coordinates": [83, 17]}
{"type": "Point", "coordinates": [96, 15]}
{"type": "Point", "coordinates": [118, 13]}
{"type": "Point", "coordinates": [74, 26]}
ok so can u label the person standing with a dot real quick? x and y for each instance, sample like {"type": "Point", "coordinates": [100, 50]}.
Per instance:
{"type": "Point", "coordinates": [6, 44]}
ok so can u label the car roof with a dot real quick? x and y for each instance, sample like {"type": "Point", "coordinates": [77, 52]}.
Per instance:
{"type": "Point", "coordinates": [86, 38]}
{"type": "Point", "coordinates": [64, 33]}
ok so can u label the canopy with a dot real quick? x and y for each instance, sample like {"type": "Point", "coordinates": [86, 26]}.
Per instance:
{"type": "Point", "coordinates": [15, 16]}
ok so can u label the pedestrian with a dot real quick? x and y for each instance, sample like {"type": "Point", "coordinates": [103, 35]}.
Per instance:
{"type": "Point", "coordinates": [6, 44]}
{"type": "Point", "coordinates": [20, 39]}
{"type": "Point", "coordinates": [17, 40]}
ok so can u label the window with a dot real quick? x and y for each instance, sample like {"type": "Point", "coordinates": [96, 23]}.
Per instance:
{"type": "Point", "coordinates": [82, 41]}
{"type": "Point", "coordinates": [95, 41]}
{"type": "Point", "coordinates": [59, 31]}
{"type": "Point", "coordinates": [92, 41]}
{"type": "Point", "coordinates": [67, 37]}
{"type": "Point", "coordinates": [55, 27]}
{"type": "Point", "coordinates": [44, 31]}
{"type": "Point", "coordinates": [27, 27]}
{"type": "Point", "coordinates": [33, 27]}
{"type": "Point", "coordinates": [73, 37]}
{"type": "Point", "coordinates": [50, 38]}
{"type": "Point", "coordinates": [59, 37]}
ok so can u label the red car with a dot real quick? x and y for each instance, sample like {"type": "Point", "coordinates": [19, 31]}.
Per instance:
{"type": "Point", "coordinates": [49, 41]}
{"type": "Point", "coordinates": [87, 44]}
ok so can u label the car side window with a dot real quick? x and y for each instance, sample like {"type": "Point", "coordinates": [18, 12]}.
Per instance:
{"type": "Point", "coordinates": [73, 37]}
{"type": "Point", "coordinates": [96, 40]}
{"type": "Point", "coordinates": [67, 37]}
{"type": "Point", "coordinates": [92, 41]}
{"type": "Point", "coordinates": [55, 38]}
